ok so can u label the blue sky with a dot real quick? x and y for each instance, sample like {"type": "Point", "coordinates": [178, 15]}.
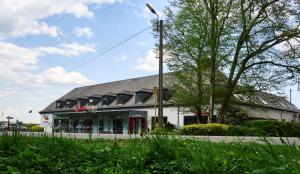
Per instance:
{"type": "Point", "coordinates": [41, 43]}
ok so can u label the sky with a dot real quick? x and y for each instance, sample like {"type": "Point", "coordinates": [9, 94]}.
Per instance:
{"type": "Point", "coordinates": [45, 47]}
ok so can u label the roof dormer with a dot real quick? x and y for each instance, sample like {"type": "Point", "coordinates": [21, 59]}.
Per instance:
{"type": "Point", "coordinates": [142, 95]}
{"type": "Point", "coordinates": [82, 101]}
{"type": "Point", "coordinates": [108, 98]}
{"type": "Point", "coordinates": [94, 99]}
{"type": "Point", "coordinates": [60, 104]}
{"type": "Point", "coordinates": [71, 102]}
{"type": "Point", "coordinates": [123, 97]}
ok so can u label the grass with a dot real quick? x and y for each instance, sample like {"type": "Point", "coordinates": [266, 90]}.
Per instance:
{"type": "Point", "coordinates": [155, 154]}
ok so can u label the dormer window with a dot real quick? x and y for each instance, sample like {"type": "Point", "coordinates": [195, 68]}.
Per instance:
{"type": "Point", "coordinates": [82, 102]}
{"type": "Point", "coordinates": [166, 94]}
{"type": "Point", "coordinates": [123, 97]}
{"type": "Point", "coordinates": [107, 99]}
{"type": "Point", "coordinates": [94, 100]}
{"type": "Point", "coordinates": [70, 103]}
{"type": "Point", "coordinates": [60, 104]}
{"type": "Point", "coordinates": [142, 96]}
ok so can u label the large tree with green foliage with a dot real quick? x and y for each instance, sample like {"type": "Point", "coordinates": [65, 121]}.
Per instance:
{"type": "Point", "coordinates": [254, 42]}
{"type": "Point", "coordinates": [265, 48]}
{"type": "Point", "coordinates": [185, 40]}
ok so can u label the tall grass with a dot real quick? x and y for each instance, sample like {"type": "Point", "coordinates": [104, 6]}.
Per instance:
{"type": "Point", "coordinates": [157, 153]}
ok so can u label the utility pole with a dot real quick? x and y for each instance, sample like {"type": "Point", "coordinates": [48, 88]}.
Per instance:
{"type": "Point", "coordinates": [160, 73]}
{"type": "Point", "coordinates": [160, 79]}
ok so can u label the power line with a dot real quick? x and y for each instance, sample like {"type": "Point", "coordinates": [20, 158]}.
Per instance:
{"type": "Point", "coordinates": [115, 45]}
{"type": "Point", "coordinates": [110, 48]}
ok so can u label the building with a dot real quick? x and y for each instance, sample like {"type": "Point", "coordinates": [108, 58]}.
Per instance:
{"type": "Point", "coordinates": [129, 106]}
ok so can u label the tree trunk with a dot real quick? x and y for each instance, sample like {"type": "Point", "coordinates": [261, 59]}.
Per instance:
{"type": "Point", "coordinates": [213, 55]}
{"type": "Point", "coordinates": [199, 91]}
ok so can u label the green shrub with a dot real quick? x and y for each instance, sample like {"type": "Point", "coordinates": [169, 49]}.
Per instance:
{"type": "Point", "coordinates": [235, 116]}
{"type": "Point", "coordinates": [36, 128]}
{"type": "Point", "coordinates": [29, 125]}
{"type": "Point", "coordinates": [244, 131]}
{"type": "Point", "coordinates": [169, 126]}
{"type": "Point", "coordinates": [275, 128]}
{"type": "Point", "coordinates": [205, 129]}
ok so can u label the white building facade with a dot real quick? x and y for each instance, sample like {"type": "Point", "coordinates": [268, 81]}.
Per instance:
{"type": "Point", "coordinates": [129, 107]}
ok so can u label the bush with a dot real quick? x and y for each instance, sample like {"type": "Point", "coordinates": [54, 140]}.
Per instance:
{"type": "Point", "coordinates": [205, 129]}
{"type": "Point", "coordinates": [244, 131]}
{"type": "Point", "coordinates": [236, 116]}
{"type": "Point", "coordinates": [275, 128]}
{"type": "Point", "coordinates": [36, 128]}
{"type": "Point", "coordinates": [169, 126]}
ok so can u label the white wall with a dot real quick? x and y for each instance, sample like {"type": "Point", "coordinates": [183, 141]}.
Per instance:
{"type": "Point", "coordinates": [170, 112]}
{"type": "Point", "coordinates": [47, 124]}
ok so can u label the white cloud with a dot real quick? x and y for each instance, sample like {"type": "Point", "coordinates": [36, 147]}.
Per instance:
{"type": "Point", "coordinates": [6, 93]}
{"type": "Point", "coordinates": [83, 31]}
{"type": "Point", "coordinates": [20, 18]}
{"type": "Point", "coordinates": [71, 49]}
{"type": "Point", "coordinates": [58, 75]}
{"type": "Point", "coordinates": [17, 65]}
{"type": "Point", "coordinates": [150, 64]}
{"type": "Point", "coordinates": [124, 57]}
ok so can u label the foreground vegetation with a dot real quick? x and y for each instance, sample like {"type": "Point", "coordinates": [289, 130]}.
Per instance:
{"type": "Point", "coordinates": [155, 154]}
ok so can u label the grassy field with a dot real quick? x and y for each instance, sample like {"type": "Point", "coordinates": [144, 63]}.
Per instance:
{"type": "Point", "coordinates": [155, 154]}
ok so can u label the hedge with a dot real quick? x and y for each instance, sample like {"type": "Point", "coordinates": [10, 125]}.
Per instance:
{"type": "Point", "coordinates": [205, 129]}
{"type": "Point", "coordinates": [36, 128]}
{"type": "Point", "coordinates": [251, 128]}
{"type": "Point", "coordinates": [275, 128]}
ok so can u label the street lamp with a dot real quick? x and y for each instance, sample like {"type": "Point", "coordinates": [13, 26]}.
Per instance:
{"type": "Point", "coordinates": [160, 74]}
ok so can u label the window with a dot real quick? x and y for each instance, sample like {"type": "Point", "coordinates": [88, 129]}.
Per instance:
{"type": "Point", "coordinates": [107, 100]}
{"type": "Point", "coordinates": [82, 102]}
{"type": "Point", "coordinates": [141, 97]}
{"type": "Point", "coordinates": [94, 100]}
{"type": "Point", "coordinates": [70, 103]}
{"type": "Point", "coordinates": [60, 104]}
{"type": "Point", "coordinates": [123, 98]}
{"type": "Point", "coordinates": [100, 125]}
{"type": "Point", "coordinates": [166, 94]}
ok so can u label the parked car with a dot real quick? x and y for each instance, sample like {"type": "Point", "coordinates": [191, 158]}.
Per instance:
{"type": "Point", "coordinates": [12, 126]}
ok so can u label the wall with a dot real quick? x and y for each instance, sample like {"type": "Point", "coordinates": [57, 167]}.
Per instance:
{"type": "Point", "coordinates": [170, 112]}
{"type": "Point", "coordinates": [47, 124]}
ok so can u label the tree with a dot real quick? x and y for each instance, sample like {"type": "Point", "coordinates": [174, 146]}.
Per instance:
{"type": "Point", "coordinates": [266, 46]}
{"type": "Point", "coordinates": [254, 42]}
{"type": "Point", "coordinates": [185, 40]}
{"type": "Point", "coordinates": [218, 12]}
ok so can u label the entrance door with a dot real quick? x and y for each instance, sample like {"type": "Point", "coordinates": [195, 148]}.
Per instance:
{"type": "Point", "coordinates": [118, 126]}
{"type": "Point", "coordinates": [136, 125]}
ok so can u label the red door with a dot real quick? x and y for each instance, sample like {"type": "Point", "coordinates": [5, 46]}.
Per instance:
{"type": "Point", "coordinates": [131, 123]}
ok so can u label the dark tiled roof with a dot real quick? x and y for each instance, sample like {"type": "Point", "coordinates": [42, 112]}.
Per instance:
{"type": "Point", "coordinates": [146, 84]}
{"type": "Point", "coordinates": [112, 88]}
{"type": "Point", "coordinates": [267, 100]}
